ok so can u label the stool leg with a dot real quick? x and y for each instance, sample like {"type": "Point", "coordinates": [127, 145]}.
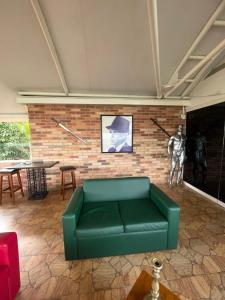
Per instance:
{"type": "Point", "coordinates": [10, 192]}
{"type": "Point", "coordinates": [61, 182]}
{"type": "Point", "coordinates": [20, 183]}
{"type": "Point", "coordinates": [11, 187]}
{"type": "Point", "coordinates": [73, 180]}
{"type": "Point", "coordinates": [1, 177]}
{"type": "Point", "coordinates": [63, 185]}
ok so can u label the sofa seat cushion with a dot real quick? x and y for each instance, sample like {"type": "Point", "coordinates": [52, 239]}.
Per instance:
{"type": "Point", "coordinates": [141, 215]}
{"type": "Point", "coordinates": [99, 219]}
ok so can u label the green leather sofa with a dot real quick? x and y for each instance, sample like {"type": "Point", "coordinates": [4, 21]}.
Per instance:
{"type": "Point", "coordinates": [119, 216]}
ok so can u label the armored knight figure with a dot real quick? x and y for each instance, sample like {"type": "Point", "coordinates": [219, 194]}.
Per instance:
{"type": "Point", "coordinates": [176, 148]}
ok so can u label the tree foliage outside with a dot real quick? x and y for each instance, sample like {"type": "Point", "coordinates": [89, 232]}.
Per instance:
{"type": "Point", "coordinates": [14, 141]}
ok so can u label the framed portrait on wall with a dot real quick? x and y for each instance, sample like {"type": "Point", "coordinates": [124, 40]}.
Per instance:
{"type": "Point", "coordinates": [116, 134]}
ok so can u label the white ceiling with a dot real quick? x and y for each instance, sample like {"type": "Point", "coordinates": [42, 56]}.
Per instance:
{"type": "Point", "coordinates": [103, 46]}
{"type": "Point", "coordinates": [180, 21]}
{"type": "Point", "coordinates": [24, 57]}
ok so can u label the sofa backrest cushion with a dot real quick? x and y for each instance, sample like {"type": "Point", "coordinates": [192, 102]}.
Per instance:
{"type": "Point", "coordinates": [116, 189]}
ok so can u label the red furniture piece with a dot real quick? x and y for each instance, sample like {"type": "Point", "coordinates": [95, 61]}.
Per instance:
{"type": "Point", "coordinates": [9, 266]}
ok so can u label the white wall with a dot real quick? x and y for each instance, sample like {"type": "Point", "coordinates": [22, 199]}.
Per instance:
{"type": "Point", "coordinates": [9, 109]}
{"type": "Point", "coordinates": [210, 91]}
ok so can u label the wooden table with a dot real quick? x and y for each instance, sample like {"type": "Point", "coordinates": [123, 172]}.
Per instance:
{"type": "Point", "coordinates": [143, 285]}
{"type": "Point", "coordinates": [36, 177]}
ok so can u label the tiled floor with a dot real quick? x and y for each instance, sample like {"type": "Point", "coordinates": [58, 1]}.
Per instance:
{"type": "Point", "coordinates": [196, 270]}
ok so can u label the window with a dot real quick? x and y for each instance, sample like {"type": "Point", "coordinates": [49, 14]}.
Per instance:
{"type": "Point", "coordinates": [14, 141]}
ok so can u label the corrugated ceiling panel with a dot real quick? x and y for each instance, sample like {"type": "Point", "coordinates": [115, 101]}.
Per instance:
{"type": "Point", "coordinates": [189, 65]}
{"type": "Point", "coordinates": [118, 48]}
{"type": "Point", "coordinates": [24, 57]}
{"type": "Point", "coordinates": [180, 21]}
{"type": "Point", "coordinates": [66, 26]}
{"type": "Point", "coordinates": [104, 46]}
{"type": "Point", "coordinates": [211, 40]}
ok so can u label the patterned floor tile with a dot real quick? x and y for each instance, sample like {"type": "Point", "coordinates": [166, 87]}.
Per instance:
{"type": "Point", "coordinates": [195, 270]}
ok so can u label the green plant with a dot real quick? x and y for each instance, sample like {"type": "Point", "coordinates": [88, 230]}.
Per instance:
{"type": "Point", "coordinates": [14, 141]}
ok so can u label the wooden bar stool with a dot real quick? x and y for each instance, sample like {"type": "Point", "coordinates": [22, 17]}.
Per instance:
{"type": "Point", "coordinates": [11, 188]}
{"type": "Point", "coordinates": [72, 184]}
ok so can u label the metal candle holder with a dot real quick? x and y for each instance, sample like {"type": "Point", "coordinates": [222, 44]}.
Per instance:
{"type": "Point", "coordinates": [154, 292]}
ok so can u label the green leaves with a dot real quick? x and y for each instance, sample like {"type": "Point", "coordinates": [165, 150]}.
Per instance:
{"type": "Point", "coordinates": [14, 141]}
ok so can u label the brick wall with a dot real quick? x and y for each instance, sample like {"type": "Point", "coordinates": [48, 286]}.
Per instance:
{"type": "Point", "coordinates": [50, 142]}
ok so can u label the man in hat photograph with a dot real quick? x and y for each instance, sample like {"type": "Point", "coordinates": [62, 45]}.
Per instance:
{"type": "Point", "coordinates": [118, 137]}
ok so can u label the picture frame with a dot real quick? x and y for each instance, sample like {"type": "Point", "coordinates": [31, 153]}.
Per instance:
{"type": "Point", "coordinates": [116, 133]}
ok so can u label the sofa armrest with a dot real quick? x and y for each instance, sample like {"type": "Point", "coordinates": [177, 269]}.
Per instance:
{"type": "Point", "coordinates": [170, 210]}
{"type": "Point", "coordinates": [5, 284]}
{"type": "Point", "coordinates": [70, 219]}
{"type": "Point", "coordinates": [9, 264]}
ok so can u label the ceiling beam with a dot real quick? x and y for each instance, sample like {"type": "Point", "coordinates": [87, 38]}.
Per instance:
{"type": "Point", "coordinates": [219, 23]}
{"type": "Point", "coordinates": [172, 101]}
{"type": "Point", "coordinates": [189, 80]}
{"type": "Point", "coordinates": [91, 95]}
{"type": "Point", "coordinates": [200, 36]}
{"type": "Point", "coordinates": [154, 36]}
{"type": "Point", "coordinates": [197, 67]}
{"type": "Point", "coordinates": [44, 27]}
{"type": "Point", "coordinates": [202, 74]}
{"type": "Point", "coordinates": [99, 95]}
{"type": "Point", "coordinates": [196, 57]}
{"type": "Point", "coordinates": [177, 97]}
